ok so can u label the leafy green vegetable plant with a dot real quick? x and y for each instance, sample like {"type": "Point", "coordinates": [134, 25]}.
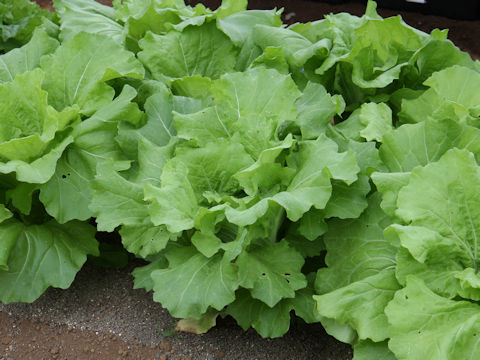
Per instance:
{"type": "Point", "coordinates": [328, 169]}
{"type": "Point", "coordinates": [19, 18]}
{"type": "Point", "coordinates": [52, 96]}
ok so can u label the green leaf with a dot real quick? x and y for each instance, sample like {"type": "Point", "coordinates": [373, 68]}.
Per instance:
{"type": "Point", "coordinates": [440, 278]}
{"type": "Point", "coordinates": [40, 170]}
{"type": "Point", "coordinates": [195, 86]}
{"type": "Point", "coordinates": [353, 242]}
{"type": "Point", "coordinates": [348, 201]}
{"type": "Point", "coordinates": [273, 94]}
{"type": "Point", "coordinates": [303, 303]}
{"type": "Point", "coordinates": [249, 53]}
{"type": "Point", "coordinates": [361, 304]}
{"type": "Point", "coordinates": [68, 193]}
{"type": "Point", "coordinates": [117, 201]}
{"type": "Point", "coordinates": [158, 17]}
{"type": "Point", "coordinates": [87, 16]}
{"type": "Point", "coordinates": [194, 283]}
{"type": "Point", "coordinates": [141, 275]}
{"type": "Point", "coordinates": [267, 321]}
{"type": "Point", "coordinates": [151, 160]}
{"type": "Point", "coordinates": [144, 240]}
{"type": "Point", "coordinates": [309, 187]}
{"type": "Point", "coordinates": [26, 58]}
{"type": "Point", "coordinates": [239, 26]}
{"type": "Point", "coordinates": [4, 213]}
{"type": "Point", "coordinates": [469, 284]}
{"type": "Point", "coordinates": [44, 255]}
{"type": "Point", "coordinates": [371, 122]}
{"type": "Point", "coordinates": [350, 128]}
{"type": "Point", "coordinates": [460, 91]}
{"type": "Point", "coordinates": [367, 154]}
{"type": "Point", "coordinates": [230, 7]}
{"type": "Point", "coordinates": [31, 124]}
{"type": "Point", "coordinates": [297, 49]}
{"type": "Point", "coordinates": [202, 50]}
{"type": "Point", "coordinates": [452, 94]}
{"type": "Point", "coordinates": [271, 272]}
{"type": "Point", "coordinates": [266, 173]}
{"type": "Point", "coordinates": [206, 243]}
{"type": "Point", "coordinates": [271, 322]}
{"type": "Point", "coordinates": [360, 279]}
{"type": "Point", "coordinates": [437, 327]}
{"type": "Point", "coordinates": [342, 332]}
{"type": "Point", "coordinates": [272, 58]}
{"type": "Point", "coordinates": [340, 28]}
{"type": "Point", "coordinates": [416, 108]}
{"type": "Point", "coordinates": [341, 165]}
{"type": "Point", "coordinates": [9, 231]}
{"type": "Point", "coordinates": [191, 174]}
{"type": "Point", "coordinates": [440, 206]}
{"type": "Point", "coordinates": [315, 110]}
{"type": "Point", "coordinates": [76, 73]}
{"type": "Point", "coordinates": [377, 119]}
{"type": "Point", "coordinates": [158, 127]}
{"type": "Point", "coordinates": [256, 132]}
{"type": "Point", "coordinates": [413, 145]}
{"type": "Point", "coordinates": [176, 190]}
{"type": "Point", "coordinates": [389, 185]}
{"type": "Point", "coordinates": [439, 54]}
{"type": "Point", "coordinates": [312, 224]}
{"type": "Point", "coordinates": [30, 142]}
{"type": "Point", "coordinates": [367, 350]}
{"type": "Point", "coordinates": [204, 126]}
{"type": "Point", "coordinates": [382, 47]}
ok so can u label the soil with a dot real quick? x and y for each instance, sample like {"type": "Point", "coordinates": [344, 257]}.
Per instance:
{"type": "Point", "coordinates": [102, 317]}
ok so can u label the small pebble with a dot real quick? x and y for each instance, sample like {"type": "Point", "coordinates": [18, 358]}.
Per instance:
{"type": "Point", "coordinates": [290, 15]}
{"type": "Point", "coordinates": [165, 346]}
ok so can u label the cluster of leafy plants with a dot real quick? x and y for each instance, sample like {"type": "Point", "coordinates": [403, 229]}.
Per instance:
{"type": "Point", "coordinates": [18, 20]}
{"type": "Point", "coordinates": [328, 169]}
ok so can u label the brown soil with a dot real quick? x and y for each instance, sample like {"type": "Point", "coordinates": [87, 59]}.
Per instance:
{"type": "Point", "coordinates": [102, 317]}
{"type": "Point", "coordinates": [33, 340]}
